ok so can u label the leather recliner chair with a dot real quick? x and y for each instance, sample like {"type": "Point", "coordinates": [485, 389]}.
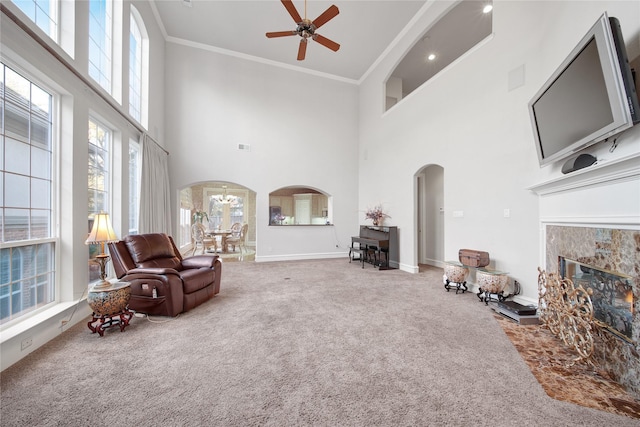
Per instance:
{"type": "Point", "coordinates": [162, 282]}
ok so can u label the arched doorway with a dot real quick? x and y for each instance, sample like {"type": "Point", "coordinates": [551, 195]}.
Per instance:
{"type": "Point", "coordinates": [430, 215]}
{"type": "Point", "coordinates": [218, 204]}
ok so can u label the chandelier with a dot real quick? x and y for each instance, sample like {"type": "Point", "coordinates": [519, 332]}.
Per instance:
{"type": "Point", "coordinates": [224, 198]}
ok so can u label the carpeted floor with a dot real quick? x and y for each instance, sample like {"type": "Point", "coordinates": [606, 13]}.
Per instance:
{"type": "Point", "coordinates": [305, 343]}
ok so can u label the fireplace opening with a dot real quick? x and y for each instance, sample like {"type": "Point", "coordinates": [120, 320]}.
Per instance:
{"type": "Point", "coordinates": [612, 297]}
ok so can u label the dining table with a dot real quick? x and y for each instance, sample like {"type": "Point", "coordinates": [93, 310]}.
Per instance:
{"type": "Point", "coordinates": [223, 233]}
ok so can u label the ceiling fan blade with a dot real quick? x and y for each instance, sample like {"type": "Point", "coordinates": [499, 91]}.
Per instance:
{"type": "Point", "coordinates": [288, 4]}
{"type": "Point", "coordinates": [281, 34]}
{"type": "Point", "coordinates": [326, 42]}
{"type": "Point", "coordinates": [302, 49]}
{"type": "Point", "coordinates": [326, 16]}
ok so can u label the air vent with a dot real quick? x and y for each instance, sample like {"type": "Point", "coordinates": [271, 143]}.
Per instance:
{"type": "Point", "coordinates": [244, 147]}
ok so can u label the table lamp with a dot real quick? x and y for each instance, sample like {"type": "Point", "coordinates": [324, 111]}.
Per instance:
{"type": "Point", "coordinates": [101, 233]}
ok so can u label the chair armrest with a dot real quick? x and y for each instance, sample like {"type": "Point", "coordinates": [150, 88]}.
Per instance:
{"type": "Point", "coordinates": [199, 261]}
{"type": "Point", "coordinates": [156, 271]}
{"type": "Point", "coordinates": [168, 287]}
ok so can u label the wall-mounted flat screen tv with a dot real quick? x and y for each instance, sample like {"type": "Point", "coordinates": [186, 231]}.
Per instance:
{"type": "Point", "coordinates": [588, 99]}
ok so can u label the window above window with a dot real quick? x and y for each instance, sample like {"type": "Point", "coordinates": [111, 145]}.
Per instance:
{"type": "Point", "coordinates": [135, 69]}
{"type": "Point", "coordinates": [460, 29]}
{"type": "Point", "coordinates": [101, 41]}
{"type": "Point", "coordinates": [43, 12]}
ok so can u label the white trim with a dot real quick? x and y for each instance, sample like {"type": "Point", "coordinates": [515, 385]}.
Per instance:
{"type": "Point", "coordinates": [300, 257]}
{"type": "Point", "coordinates": [624, 169]}
{"type": "Point", "coordinates": [40, 329]}
{"type": "Point", "coordinates": [259, 60]}
{"type": "Point", "coordinates": [27, 323]}
{"type": "Point", "coordinates": [594, 221]}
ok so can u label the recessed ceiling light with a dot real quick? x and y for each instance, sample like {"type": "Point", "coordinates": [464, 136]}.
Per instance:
{"type": "Point", "coordinates": [488, 8]}
{"type": "Point", "coordinates": [431, 56]}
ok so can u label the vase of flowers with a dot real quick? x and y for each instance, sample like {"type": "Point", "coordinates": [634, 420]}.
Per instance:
{"type": "Point", "coordinates": [376, 214]}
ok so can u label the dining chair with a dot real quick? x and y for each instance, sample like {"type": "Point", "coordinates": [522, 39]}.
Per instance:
{"type": "Point", "coordinates": [200, 240]}
{"type": "Point", "coordinates": [238, 239]}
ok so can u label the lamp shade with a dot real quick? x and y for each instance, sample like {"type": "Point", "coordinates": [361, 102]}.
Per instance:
{"type": "Point", "coordinates": [102, 231]}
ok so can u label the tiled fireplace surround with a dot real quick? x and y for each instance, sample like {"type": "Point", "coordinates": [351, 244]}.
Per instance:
{"type": "Point", "coordinates": [576, 211]}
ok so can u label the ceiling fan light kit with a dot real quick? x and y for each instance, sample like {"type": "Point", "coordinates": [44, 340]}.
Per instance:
{"type": "Point", "coordinates": [306, 28]}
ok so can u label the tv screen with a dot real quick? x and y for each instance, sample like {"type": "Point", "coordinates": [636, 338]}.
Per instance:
{"type": "Point", "coordinates": [589, 98]}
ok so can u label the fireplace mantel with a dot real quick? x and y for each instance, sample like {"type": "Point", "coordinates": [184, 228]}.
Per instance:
{"type": "Point", "coordinates": [607, 193]}
{"type": "Point", "coordinates": [593, 215]}
{"type": "Point", "coordinates": [625, 168]}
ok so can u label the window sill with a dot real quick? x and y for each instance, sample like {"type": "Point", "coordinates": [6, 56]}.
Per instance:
{"type": "Point", "coordinates": [35, 320]}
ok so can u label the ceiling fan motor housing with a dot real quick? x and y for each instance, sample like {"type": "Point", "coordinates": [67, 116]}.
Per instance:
{"type": "Point", "coordinates": [306, 28]}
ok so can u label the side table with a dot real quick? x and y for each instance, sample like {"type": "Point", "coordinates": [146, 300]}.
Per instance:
{"type": "Point", "coordinates": [455, 272]}
{"type": "Point", "coordinates": [491, 282]}
{"type": "Point", "coordinates": [110, 306]}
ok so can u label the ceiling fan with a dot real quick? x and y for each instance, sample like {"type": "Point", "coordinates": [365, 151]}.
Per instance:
{"type": "Point", "coordinates": [306, 28]}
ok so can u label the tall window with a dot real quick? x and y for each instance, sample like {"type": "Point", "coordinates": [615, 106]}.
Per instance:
{"type": "Point", "coordinates": [224, 214]}
{"type": "Point", "coordinates": [186, 205]}
{"type": "Point", "coordinates": [134, 186]}
{"type": "Point", "coordinates": [99, 181]}
{"type": "Point", "coordinates": [135, 69]}
{"type": "Point", "coordinates": [43, 12]}
{"type": "Point", "coordinates": [27, 280]}
{"type": "Point", "coordinates": [100, 41]}
{"type": "Point", "coordinates": [185, 226]}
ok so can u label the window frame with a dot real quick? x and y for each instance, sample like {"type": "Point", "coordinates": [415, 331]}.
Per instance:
{"type": "Point", "coordinates": [52, 16]}
{"type": "Point", "coordinates": [107, 199]}
{"type": "Point", "coordinates": [53, 235]}
{"type": "Point", "coordinates": [143, 119]}
{"type": "Point", "coordinates": [105, 45]}
{"type": "Point", "coordinates": [134, 188]}
{"type": "Point", "coordinates": [135, 67]}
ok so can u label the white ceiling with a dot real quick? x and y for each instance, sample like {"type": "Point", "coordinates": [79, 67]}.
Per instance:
{"type": "Point", "coordinates": [363, 28]}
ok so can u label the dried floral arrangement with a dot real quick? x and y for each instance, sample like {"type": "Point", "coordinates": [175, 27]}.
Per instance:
{"type": "Point", "coordinates": [376, 214]}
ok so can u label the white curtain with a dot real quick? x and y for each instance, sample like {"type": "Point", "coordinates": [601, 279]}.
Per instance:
{"type": "Point", "coordinates": [155, 195]}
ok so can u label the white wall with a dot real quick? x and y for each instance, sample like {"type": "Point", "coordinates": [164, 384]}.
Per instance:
{"type": "Point", "coordinates": [302, 130]}
{"type": "Point", "coordinates": [467, 120]}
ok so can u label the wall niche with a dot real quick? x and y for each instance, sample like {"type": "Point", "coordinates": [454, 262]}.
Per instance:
{"type": "Point", "coordinates": [297, 205]}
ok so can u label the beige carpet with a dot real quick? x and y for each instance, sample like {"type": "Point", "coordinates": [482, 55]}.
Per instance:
{"type": "Point", "coordinates": [309, 343]}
